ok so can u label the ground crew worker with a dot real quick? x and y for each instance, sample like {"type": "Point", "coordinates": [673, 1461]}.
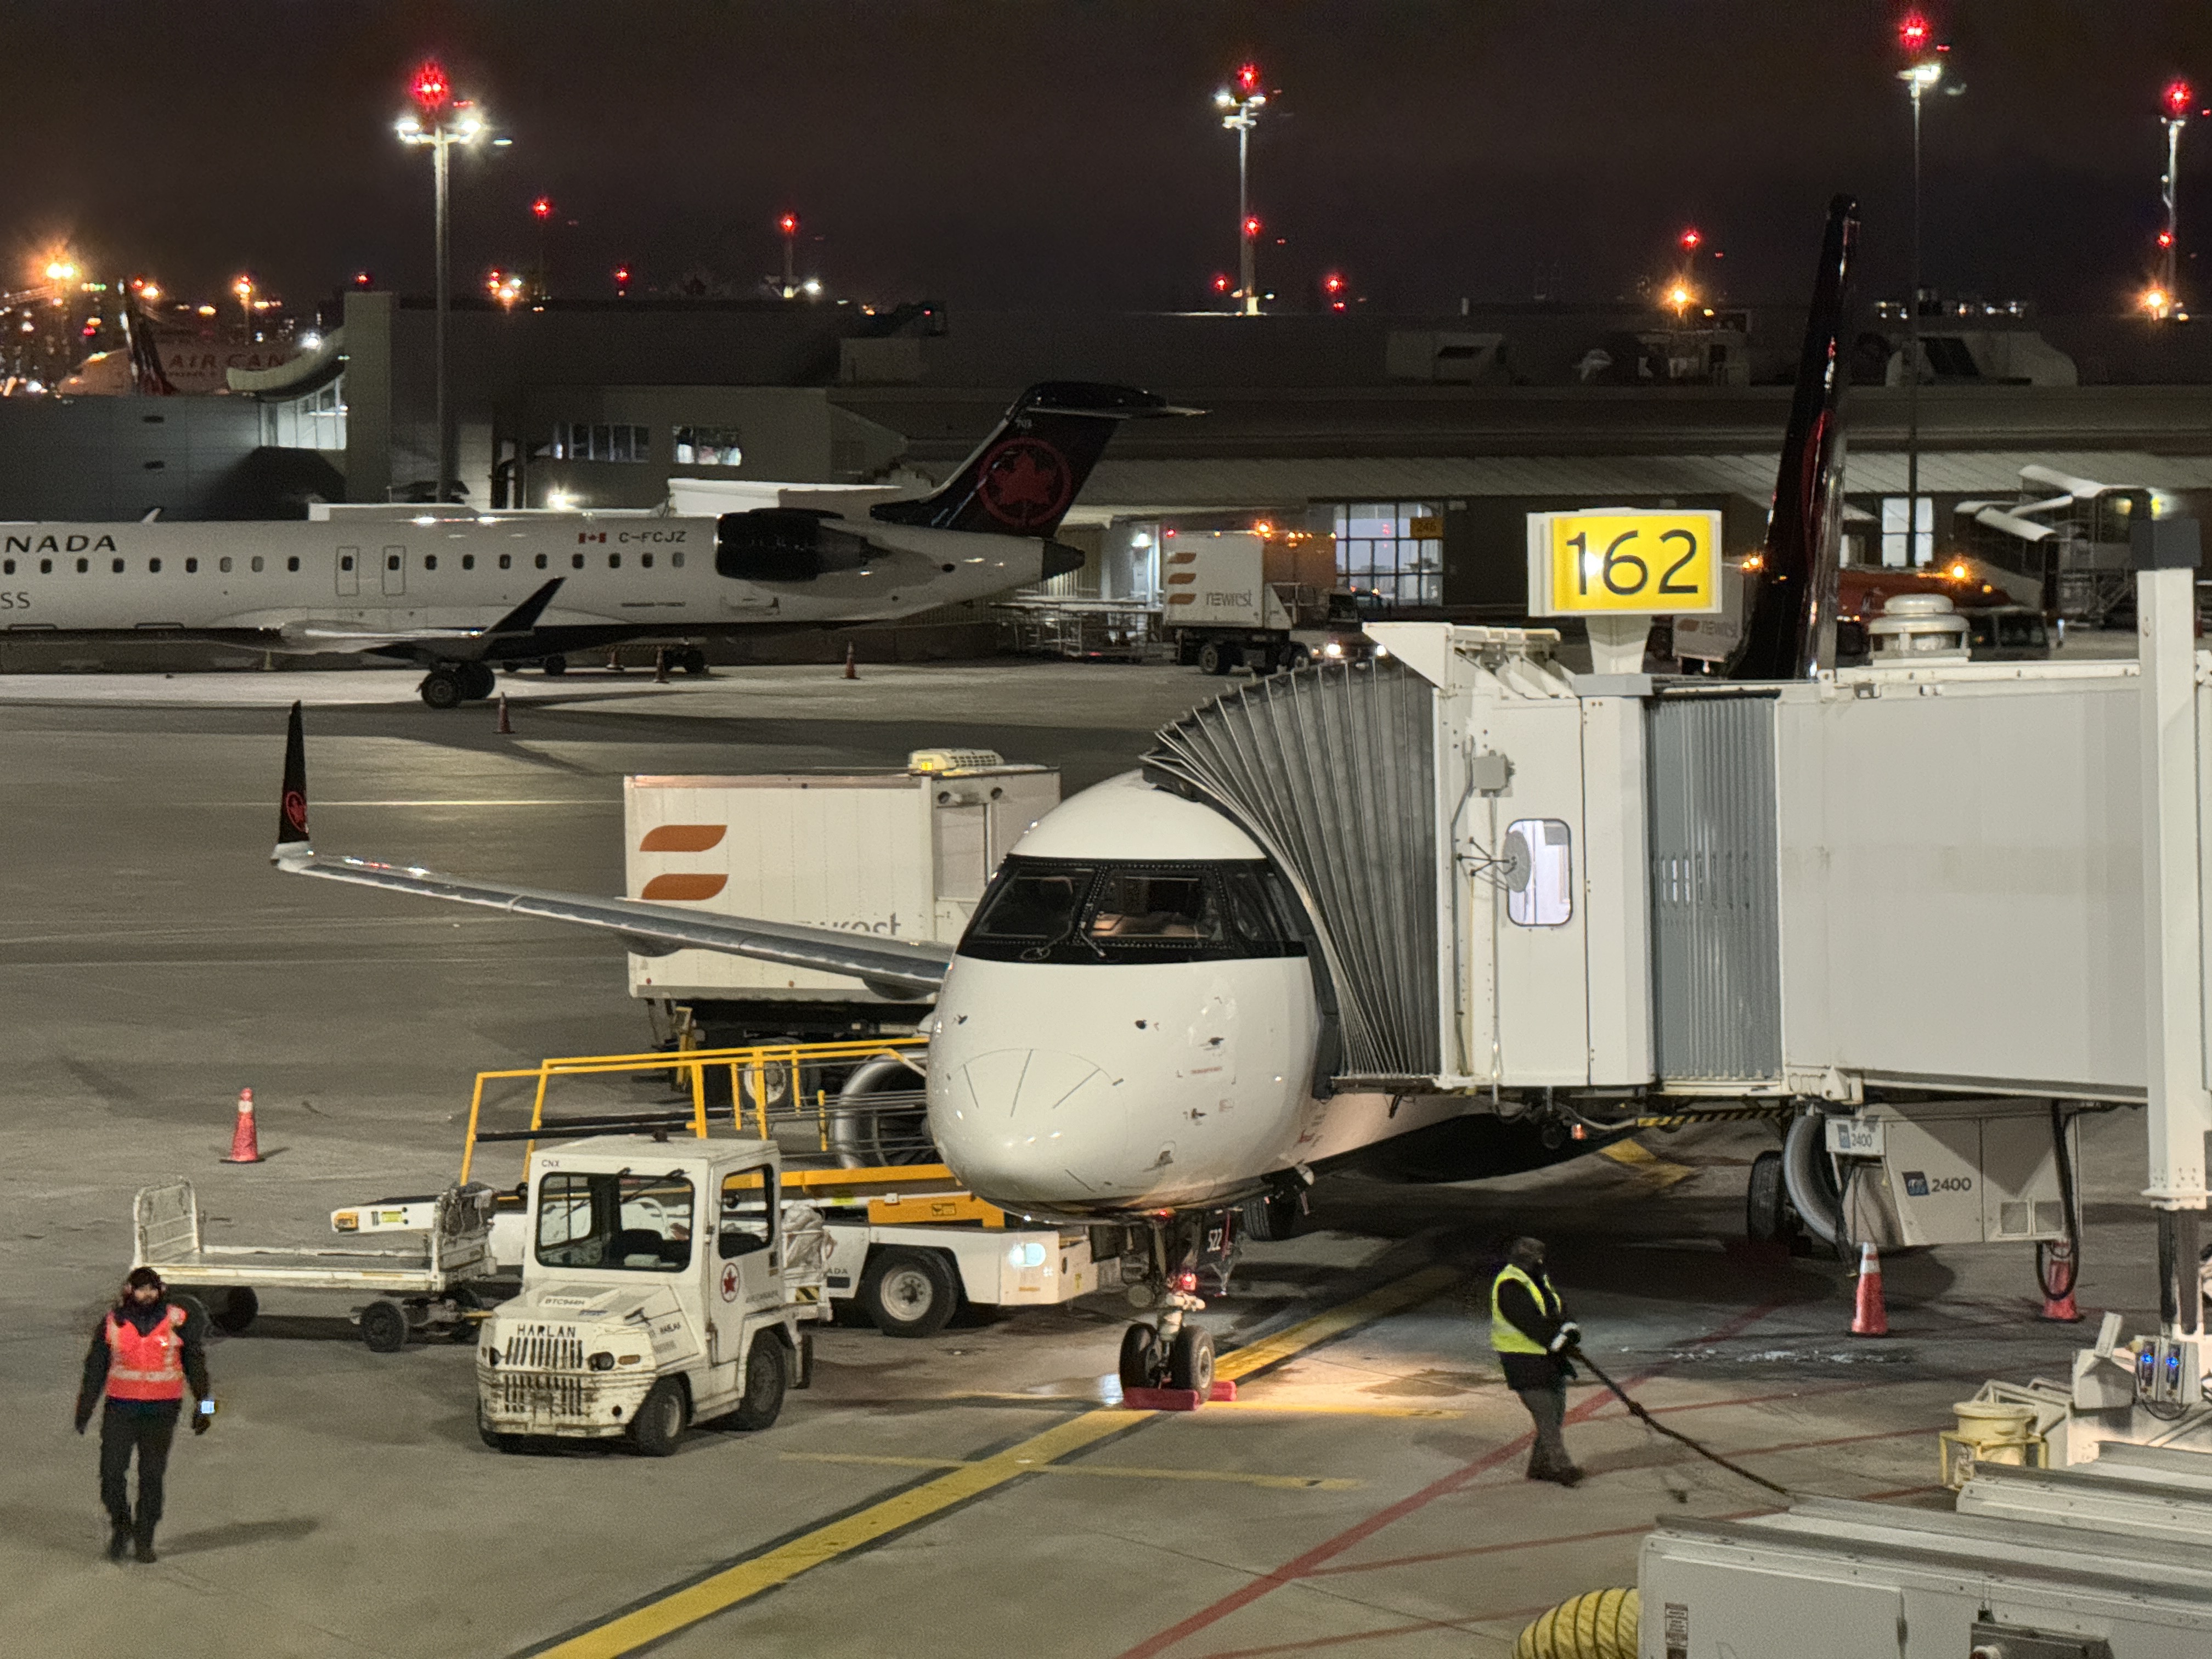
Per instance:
{"type": "Point", "coordinates": [144, 1352]}
{"type": "Point", "coordinates": [1530, 1328]}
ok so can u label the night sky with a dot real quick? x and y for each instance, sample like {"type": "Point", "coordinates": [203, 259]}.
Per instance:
{"type": "Point", "coordinates": [1051, 154]}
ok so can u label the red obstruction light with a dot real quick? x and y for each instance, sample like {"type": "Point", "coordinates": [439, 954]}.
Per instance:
{"type": "Point", "coordinates": [1247, 78]}
{"type": "Point", "coordinates": [1252, 225]}
{"type": "Point", "coordinates": [543, 207]}
{"type": "Point", "coordinates": [788, 224]}
{"type": "Point", "coordinates": [1691, 238]}
{"type": "Point", "coordinates": [430, 89]}
{"type": "Point", "coordinates": [1333, 282]}
{"type": "Point", "coordinates": [363, 279]}
{"type": "Point", "coordinates": [2178, 97]}
{"type": "Point", "coordinates": [621, 276]}
{"type": "Point", "coordinates": [2166, 239]}
{"type": "Point", "coordinates": [1220, 281]}
{"type": "Point", "coordinates": [1913, 33]}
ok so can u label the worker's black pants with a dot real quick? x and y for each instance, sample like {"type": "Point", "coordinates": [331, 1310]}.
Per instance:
{"type": "Point", "coordinates": [124, 1430]}
{"type": "Point", "coordinates": [1547, 1408]}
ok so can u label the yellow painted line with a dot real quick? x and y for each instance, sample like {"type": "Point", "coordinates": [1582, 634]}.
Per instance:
{"type": "Point", "coordinates": [1232, 1477]}
{"type": "Point", "coordinates": [1644, 1164]}
{"type": "Point", "coordinates": [667, 1614]}
{"type": "Point", "coordinates": [1344, 1408]}
{"type": "Point", "coordinates": [1407, 1293]}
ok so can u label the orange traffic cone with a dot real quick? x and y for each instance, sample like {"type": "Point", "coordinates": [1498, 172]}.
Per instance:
{"type": "Point", "coordinates": [1870, 1319]}
{"type": "Point", "coordinates": [245, 1141]}
{"type": "Point", "coordinates": [505, 726]}
{"type": "Point", "coordinates": [851, 673]}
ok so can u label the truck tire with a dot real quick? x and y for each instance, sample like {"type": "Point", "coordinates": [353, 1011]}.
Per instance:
{"type": "Point", "coordinates": [767, 1365]}
{"type": "Point", "coordinates": [235, 1309]}
{"type": "Point", "coordinates": [908, 1292]}
{"type": "Point", "coordinates": [1293, 658]}
{"type": "Point", "coordinates": [492, 1438]}
{"type": "Point", "coordinates": [1766, 1218]}
{"type": "Point", "coordinates": [1214, 658]}
{"type": "Point", "coordinates": [384, 1326]}
{"type": "Point", "coordinates": [659, 1424]}
{"type": "Point", "coordinates": [803, 1362]}
{"type": "Point", "coordinates": [1190, 1361]}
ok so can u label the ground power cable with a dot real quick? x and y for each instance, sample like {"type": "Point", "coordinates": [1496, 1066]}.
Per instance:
{"type": "Point", "coordinates": [1650, 1421]}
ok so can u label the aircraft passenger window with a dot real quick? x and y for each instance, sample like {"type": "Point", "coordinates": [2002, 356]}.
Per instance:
{"type": "Point", "coordinates": [192, 567]}
{"type": "Point", "coordinates": [1034, 905]}
{"type": "Point", "coordinates": [1137, 905]}
{"type": "Point", "coordinates": [677, 559]}
{"type": "Point", "coordinates": [345, 560]}
{"type": "Point", "coordinates": [646, 559]}
{"type": "Point", "coordinates": [45, 566]}
{"type": "Point", "coordinates": [292, 563]}
{"type": "Point", "coordinates": [575, 561]}
{"type": "Point", "coordinates": [468, 561]}
{"type": "Point", "coordinates": [83, 565]}
{"type": "Point", "coordinates": [1539, 872]}
{"type": "Point", "coordinates": [541, 562]}
{"type": "Point", "coordinates": [118, 567]}
{"type": "Point", "coordinates": [9, 568]}
{"type": "Point", "coordinates": [224, 565]}
{"type": "Point", "coordinates": [429, 562]}
{"type": "Point", "coordinates": [614, 561]}
{"type": "Point", "coordinates": [391, 562]}
{"type": "Point", "coordinates": [506, 561]}
{"type": "Point", "coordinates": [153, 567]}
{"type": "Point", "coordinates": [257, 564]}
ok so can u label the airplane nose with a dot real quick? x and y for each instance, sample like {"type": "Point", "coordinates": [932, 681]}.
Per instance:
{"type": "Point", "coordinates": [1017, 1124]}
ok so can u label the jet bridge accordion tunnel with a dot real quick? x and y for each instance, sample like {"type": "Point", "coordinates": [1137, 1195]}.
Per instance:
{"type": "Point", "coordinates": [1615, 896]}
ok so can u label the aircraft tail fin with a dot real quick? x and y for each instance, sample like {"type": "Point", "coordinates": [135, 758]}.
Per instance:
{"type": "Point", "coordinates": [1024, 477]}
{"type": "Point", "coordinates": [292, 838]}
{"type": "Point", "coordinates": [1791, 631]}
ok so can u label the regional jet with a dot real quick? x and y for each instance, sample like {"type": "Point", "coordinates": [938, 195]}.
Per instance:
{"type": "Point", "coordinates": [465, 595]}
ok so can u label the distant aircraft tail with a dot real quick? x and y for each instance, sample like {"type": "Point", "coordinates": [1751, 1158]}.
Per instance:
{"type": "Point", "coordinates": [292, 838]}
{"type": "Point", "coordinates": [1791, 631]}
{"type": "Point", "coordinates": [1026, 475]}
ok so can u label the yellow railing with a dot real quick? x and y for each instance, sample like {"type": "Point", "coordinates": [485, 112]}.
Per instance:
{"type": "Point", "coordinates": [758, 1073]}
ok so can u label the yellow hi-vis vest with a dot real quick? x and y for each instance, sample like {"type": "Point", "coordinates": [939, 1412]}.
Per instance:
{"type": "Point", "coordinates": [1505, 1336]}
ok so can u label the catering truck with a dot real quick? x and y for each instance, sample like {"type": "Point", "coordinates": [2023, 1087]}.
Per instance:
{"type": "Point", "coordinates": [1234, 599]}
{"type": "Point", "coordinates": [903, 853]}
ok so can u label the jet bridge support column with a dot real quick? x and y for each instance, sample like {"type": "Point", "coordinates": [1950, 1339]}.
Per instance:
{"type": "Point", "coordinates": [2167, 555]}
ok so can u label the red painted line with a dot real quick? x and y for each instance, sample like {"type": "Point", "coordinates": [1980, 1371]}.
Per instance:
{"type": "Point", "coordinates": [1512, 1544]}
{"type": "Point", "coordinates": [1306, 1564]}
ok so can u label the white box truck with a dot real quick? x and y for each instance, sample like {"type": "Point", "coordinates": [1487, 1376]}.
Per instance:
{"type": "Point", "coordinates": [1234, 599]}
{"type": "Point", "coordinates": [905, 854]}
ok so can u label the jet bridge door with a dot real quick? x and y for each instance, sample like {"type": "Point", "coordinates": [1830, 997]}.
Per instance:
{"type": "Point", "coordinates": [1533, 889]}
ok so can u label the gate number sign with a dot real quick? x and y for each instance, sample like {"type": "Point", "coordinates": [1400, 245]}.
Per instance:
{"type": "Point", "coordinates": [1644, 562]}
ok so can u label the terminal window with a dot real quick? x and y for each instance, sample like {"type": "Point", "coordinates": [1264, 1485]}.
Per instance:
{"type": "Point", "coordinates": [1895, 549]}
{"type": "Point", "coordinates": [584, 441]}
{"type": "Point", "coordinates": [709, 445]}
{"type": "Point", "coordinates": [1393, 550]}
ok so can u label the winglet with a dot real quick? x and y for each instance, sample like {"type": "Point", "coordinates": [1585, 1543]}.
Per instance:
{"type": "Point", "coordinates": [523, 617]}
{"type": "Point", "coordinates": [292, 840]}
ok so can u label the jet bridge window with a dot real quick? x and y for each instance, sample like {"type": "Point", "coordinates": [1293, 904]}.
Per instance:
{"type": "Point", "coordinates": [1539, 872]}
{"type": "Point", "coordinates": [633, 1223]}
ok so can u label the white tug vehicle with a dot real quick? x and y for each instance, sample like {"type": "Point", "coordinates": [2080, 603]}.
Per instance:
{"type": "Point", "coordinates": [664, 1283]}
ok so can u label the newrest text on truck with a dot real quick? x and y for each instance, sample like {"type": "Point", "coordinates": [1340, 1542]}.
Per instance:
{"type": "Point", "coordinates": [903, 853]}
{"type": "Point", "coordinates": [1233, 598]}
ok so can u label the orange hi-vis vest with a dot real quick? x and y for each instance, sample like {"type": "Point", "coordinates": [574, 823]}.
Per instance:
{"type": "Point", "coordinates": [146, 1364]}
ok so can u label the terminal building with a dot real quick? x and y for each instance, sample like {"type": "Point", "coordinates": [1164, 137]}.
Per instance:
{"type": "Point", "coordinates": [1420, 444]}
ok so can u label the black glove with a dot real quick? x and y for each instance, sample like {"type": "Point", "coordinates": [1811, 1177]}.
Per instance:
{"type": "Point", "coordinates": [1570, 1334]}
{"type": "Point", "coordinates": [200, 1421]}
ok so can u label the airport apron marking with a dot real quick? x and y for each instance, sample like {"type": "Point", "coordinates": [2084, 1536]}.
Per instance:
{"type": "Point", "coordinates": [1274, 1482]}
{"type": "Point", "coordinates": [665, 1614]}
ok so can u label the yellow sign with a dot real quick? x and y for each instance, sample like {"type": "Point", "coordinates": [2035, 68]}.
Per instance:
{"type": "Point", "coordinates": [1626, 560]}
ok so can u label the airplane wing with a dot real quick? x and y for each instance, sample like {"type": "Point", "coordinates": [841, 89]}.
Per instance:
{"type": "Point", "coordinates": [337, 636]}
{"type": "Point", "coordinates": [891, 968]}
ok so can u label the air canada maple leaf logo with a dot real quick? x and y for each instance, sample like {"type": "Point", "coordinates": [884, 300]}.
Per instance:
{"type": "Point", "coordinates": [1025, 484]}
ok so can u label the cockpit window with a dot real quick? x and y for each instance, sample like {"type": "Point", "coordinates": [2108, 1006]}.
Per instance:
{"type": "Point", "coordinates": [1058, 911]}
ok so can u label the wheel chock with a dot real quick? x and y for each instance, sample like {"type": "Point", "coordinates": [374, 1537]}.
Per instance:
{"type": "Point", "coordinates": [1176, 1400]}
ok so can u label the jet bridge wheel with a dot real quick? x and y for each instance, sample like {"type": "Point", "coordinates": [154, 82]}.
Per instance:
{"type": "Point", "coordinates": [441, 688]}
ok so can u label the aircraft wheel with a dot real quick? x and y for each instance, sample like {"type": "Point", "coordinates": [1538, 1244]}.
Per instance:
{"type": "Point", "coordinates": [477, 681]}
{"type": "Point", "coordinates": [554, 666]}
{"type": "Point", "coordinates": [1190, 1361]}
{"type": "Point", "coordinates": [441, 688]}
{"type": "Point", "coordinates": [693, 662]}
{"type": "Point", "coordinates": [1140, 1357]}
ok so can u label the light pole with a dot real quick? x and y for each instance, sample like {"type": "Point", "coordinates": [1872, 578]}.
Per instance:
{"type": "Point", "coordinates": [789, 225]}
{"type": "Point", "coordinates": [1919, 75]}
{"type": "Point", "coordinates": [542, 210]}
{"type": "Point", "coordinates": [1240, 112]}
{"type": "Point", "coordinates": [244, 288]}
{"type": "Point", "coordinates": [2177, 99]}
{"type": "Point", "coordinates": [441, 124]}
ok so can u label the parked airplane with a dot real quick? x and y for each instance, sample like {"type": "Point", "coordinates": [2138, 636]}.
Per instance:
{"type": "Point", "coordinates": [460, 595]}
{"type": "Point", "coordinates": [1132, 1027]}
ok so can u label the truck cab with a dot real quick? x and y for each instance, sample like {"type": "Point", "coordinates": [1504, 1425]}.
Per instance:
{"type": "Point", "coordinates": [664, 1283]}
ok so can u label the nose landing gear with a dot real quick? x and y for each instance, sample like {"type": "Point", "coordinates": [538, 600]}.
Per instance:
{"type": "Point", "coordinates": [1176, 1354]}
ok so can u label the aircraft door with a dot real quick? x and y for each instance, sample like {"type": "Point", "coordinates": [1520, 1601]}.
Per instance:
{"type": "Point", "coordinates": [395, 570]}
{"type": "Point", "coordinates": [349, 572]}
{"type": "Point", "coordinates": [742, 1268]}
